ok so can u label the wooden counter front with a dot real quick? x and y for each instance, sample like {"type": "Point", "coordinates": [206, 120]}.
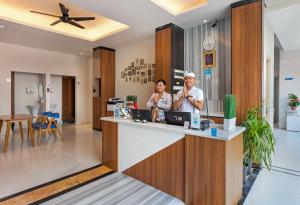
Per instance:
{"type": "Point", "coordinates": [198, 170]}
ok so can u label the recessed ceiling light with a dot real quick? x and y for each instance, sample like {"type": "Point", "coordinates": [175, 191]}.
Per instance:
{"type": "Point", "coordinates": [1, 26]}
{"type": "Point", "coordinates": [177, 7]}
{"type": "Point", "coordinates": [205, 21]}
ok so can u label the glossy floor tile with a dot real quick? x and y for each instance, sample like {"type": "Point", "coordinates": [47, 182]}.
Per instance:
{"type": "Point", "coordinates": [24, 166]}
{"type": "Point", "coordinates": [281, 185]}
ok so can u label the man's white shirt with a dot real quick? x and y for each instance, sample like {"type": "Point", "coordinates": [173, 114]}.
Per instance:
{"type": "Point", "coordinates": [186, 106]}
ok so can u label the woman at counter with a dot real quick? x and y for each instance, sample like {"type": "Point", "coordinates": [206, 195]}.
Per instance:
{"type": "Point", "coordinates": [159, 101]}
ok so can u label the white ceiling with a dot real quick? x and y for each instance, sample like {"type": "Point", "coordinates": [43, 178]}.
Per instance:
{"type": "Point", "coordinates": [284, 16]}
{"type": "Point", "coordinates": [142, 16]}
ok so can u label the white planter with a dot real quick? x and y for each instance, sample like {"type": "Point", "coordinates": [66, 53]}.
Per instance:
{"type": "Point", "coordinates": [229, 124]}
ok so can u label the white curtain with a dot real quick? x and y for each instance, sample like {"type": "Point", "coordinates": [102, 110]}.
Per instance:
{"type": "Point", "coordinates": [220, 82]}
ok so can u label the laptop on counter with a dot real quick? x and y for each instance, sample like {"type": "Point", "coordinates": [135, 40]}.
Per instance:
{"type": "Point", "coordinates": [177, 118]}
{"type": "Point", "coordinates": [141, 114]}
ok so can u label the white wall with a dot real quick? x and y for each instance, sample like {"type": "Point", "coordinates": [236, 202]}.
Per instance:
{"type": "Point", "coordinates": [289, 67]}
{"type": "Point", "coordinates": [22, 98]}
{"type": "Point", "coordinates": [56, 94]}
{"type": "Point", "coordinates": [26, 59]}
{"type": "Point", "coordinates": [124, 56]}
{"type": "Point", "coordinates": [268, 72]}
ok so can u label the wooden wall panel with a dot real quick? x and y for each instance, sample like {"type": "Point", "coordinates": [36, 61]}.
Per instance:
{"type": "Point", "coordinates": [163, 56]}
{"type": "Point", "coordinates": [96, 113]}
{"type": "Point", "coordinates": [104, 58]}
{"type": "Point", "coordinates": [110, 144]}
{"type": "Point", "coordinates": [204, 171]}
{"type": "Point", "coordinates": [163, 170]}
{"type": "Point", "coordinates": [234, 170]}
{"type": "Point", "coordinates": [247, 56]}
{"type": "Point", "coordinates": [107, 64]}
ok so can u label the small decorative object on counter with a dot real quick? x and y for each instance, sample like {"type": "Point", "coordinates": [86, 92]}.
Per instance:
{"type": "Point", "coordinates": [230, 112]}
{"type": "Point", "coordinates": [294, 101]}
{"type": "Point", "coordinates": [195, 122]}
{"type": "Point", "coordinates": [214, 132]}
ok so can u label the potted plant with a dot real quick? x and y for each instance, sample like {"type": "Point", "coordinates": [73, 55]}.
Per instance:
{"type": "Point", "coordinates": [259, 140]}
{"type": "Point", "coordinates": [294, 101]}
{"type": "Point", "coordinates": [229, 112]}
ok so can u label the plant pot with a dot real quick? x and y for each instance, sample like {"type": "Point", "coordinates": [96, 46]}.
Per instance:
{"type": "Point", "coordinates": [229, 124]}
{"type": "Point", "coordinates": [294, 108]}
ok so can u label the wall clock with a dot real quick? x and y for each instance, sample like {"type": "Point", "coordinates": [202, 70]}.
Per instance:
{"type": "Point", "coordinates": [209, 43]}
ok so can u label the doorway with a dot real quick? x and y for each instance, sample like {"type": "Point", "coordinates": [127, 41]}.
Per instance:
{"type": "Point", "coordinates": [68, 99]}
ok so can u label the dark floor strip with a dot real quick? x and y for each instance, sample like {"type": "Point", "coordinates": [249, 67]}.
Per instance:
{"type": "Point", "coordinates": [292, 170]}
{"type": "Point", "coordinates": [70, 189]}
{"type": "Point", "coordinates": [47, 183]}
{"type": "Point", "coordinates": [248, 185]}
{"type": "Point", "coordinates": [284, 172]}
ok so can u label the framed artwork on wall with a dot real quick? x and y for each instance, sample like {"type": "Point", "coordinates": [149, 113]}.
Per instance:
{"type": "Point", "coordinates": [209, 59]}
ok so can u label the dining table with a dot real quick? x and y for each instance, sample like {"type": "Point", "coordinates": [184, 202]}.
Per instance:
{"type": "Point", "coordinates": [16, 118]}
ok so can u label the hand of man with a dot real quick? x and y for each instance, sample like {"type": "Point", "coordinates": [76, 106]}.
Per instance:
{"type": "Point", "coordinates": [185, 92]}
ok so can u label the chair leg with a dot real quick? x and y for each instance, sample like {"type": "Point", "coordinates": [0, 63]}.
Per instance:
{"type": "Point", "coordinates": [21, 130]}
{"type": "Point", "coordinates": [40, 136]}
{"type": "Point", "coordinates": [54, 133]}
{"type": "Point", "coordinates": [1, 124]}
{"type": "Point", "coordinates": [5, 145]}
{"type": "Point", "coordinates": [59, 131]}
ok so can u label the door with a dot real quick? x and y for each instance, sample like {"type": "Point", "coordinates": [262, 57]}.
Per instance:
{"type": "Point", "coordinates": [68, 99]}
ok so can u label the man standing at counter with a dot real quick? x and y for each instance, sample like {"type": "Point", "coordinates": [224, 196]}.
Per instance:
{"type": "Point", "coordinates": [190, 99]}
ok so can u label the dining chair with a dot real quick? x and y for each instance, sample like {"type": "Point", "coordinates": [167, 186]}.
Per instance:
{"type": "Point", "coordinates": [47, 123]}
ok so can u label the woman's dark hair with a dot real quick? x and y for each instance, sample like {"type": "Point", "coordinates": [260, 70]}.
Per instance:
{"type": "Point", "coordinates": [161, 81]}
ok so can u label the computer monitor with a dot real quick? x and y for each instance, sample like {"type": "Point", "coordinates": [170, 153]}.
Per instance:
{"type": "Point", "coordinates": [141, 114]}
{"type": "Point", "coordinates": [177, 118]}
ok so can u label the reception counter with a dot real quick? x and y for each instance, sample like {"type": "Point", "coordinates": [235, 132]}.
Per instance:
{"type": "Point", "coordinates": [191, 165]}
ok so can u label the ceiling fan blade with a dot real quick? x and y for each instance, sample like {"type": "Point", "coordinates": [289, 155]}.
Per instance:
{"type": "Point", "coordinates": [82, 18]}
{"type": "Point", "coordinates": [76, 24]}
{"type": "Point", "coordinates": [44, 13]}
{"type": "Point", "coordinates": [63, 9]}
{"type": "Point", "coordinates": [55, 22]}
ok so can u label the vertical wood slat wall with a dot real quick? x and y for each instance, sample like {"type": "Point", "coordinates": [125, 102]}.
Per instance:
{"type": "Point", "coordinates": [107, 83]}
{"type": "Point", "coordinates": [246, 56]}
{"type": "Point", "coordinates": [169, 49]}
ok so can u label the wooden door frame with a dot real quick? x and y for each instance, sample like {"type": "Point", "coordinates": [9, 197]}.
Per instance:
{"type": "Point", "coordinates": [62, 93]}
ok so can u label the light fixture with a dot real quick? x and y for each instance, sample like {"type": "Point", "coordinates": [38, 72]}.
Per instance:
{"type": "Point", "coordinates": [1, 26]}
{"type": "Point", "coordinates": [18, 11]}
{"type": "Point", "coordinates": [177, 7]}
{"type": "Point", "coordinates": [205, 21]}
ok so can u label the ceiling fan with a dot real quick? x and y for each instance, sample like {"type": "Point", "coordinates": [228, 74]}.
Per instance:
{"type": "Point", "coordinates": [65, 18]}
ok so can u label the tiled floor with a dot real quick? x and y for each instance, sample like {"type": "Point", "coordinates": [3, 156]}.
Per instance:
{"type": "Point", "coordinates": [282, 184]}
{"type": "Point", "coordinates": [51, 160]}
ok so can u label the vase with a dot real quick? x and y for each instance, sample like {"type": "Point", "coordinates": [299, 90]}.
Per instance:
{"type": "Point", "coordinates": [294, 108]}
{"type": "Point", "coordinates": [229, 124]}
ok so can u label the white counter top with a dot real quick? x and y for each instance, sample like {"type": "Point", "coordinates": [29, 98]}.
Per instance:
{"type": "Point", "coordinates": [222, 135]}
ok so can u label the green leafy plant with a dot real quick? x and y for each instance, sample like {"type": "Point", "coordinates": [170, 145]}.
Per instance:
{"type": "Point", "coordinates": [294, 100]}
{"type": "Point", "coordinates": [259, 141]}
{"type": "Point", "coordinates": [230, 107]}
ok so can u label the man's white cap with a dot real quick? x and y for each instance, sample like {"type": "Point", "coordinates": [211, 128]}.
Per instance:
{"type": "Point", "coordinates": [189, 74]}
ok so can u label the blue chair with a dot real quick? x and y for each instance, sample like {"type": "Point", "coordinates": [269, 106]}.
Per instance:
{"type": "Point", "coordinates": [47, 124]}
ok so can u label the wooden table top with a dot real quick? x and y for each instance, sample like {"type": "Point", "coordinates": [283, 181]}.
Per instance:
{"type": "Point", "coordinates": [17, 117]}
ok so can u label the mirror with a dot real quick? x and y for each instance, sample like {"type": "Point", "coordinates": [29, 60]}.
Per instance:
{"type": "Point", "coordinates": [41, 90]}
